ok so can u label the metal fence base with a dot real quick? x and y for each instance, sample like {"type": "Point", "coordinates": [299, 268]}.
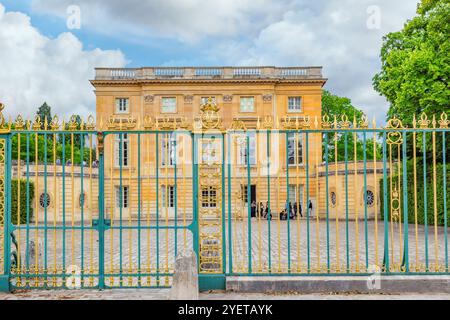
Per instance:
{"type": "Point", "coordinates": [211, 282]}
{"type": "Point", "coordinates": [366, 284]}
{"type": "Point", "coordinates": [4, 284]}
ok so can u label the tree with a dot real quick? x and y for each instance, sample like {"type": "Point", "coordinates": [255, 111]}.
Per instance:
{"type": "Point", "coordinates": [415, 68]}
{"type": "Point", "coordinates": [45, 113]}
{"type": "Point", "coordinates": [336, 106]}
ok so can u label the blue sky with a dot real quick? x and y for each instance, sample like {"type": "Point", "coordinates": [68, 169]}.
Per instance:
{"type": "Point", "coordinates": [43, 60]}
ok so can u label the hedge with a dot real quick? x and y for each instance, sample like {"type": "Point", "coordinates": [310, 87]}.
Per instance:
{"type": "Point", "coordinates": [420, 195]}
{"type": "Point", "coordinates": [23, 200]}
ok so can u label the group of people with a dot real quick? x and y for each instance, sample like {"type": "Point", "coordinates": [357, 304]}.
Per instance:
{"type": "Point", "coordinates": [291, 210]}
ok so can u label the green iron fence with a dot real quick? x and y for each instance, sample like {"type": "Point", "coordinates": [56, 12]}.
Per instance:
{"type": "Point", "coordinates": [112, 205]}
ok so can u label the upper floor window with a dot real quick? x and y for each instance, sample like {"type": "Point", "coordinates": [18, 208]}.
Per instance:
{"type": "Point", "coordinates": [295, 149]}
{"type": "Point", "coordinates": [204, 100]}
{"type": "Point", "coordinates": [121, 152]}
{"type": "Point", "coordinates": [247, 104]}
{"type": "Point", "coordinates": [168, 105]}
{"type": "Point", "coordinates": [247, 154]}
{"type": "Point", "coordinates": [294, 104]}
{"type": "Point", "coordinates": [122, 105]}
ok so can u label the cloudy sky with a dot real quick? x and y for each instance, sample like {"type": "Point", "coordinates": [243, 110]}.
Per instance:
{"type": "Point", "coordinates": [42, 58]}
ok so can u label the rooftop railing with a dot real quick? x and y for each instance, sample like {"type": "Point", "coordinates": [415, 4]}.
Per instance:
{"type": "Point", "coordinates": [154, 73]}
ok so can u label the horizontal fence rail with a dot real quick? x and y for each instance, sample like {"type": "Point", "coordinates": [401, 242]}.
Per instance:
{"type": "Point", "coordinates": [112, 204]}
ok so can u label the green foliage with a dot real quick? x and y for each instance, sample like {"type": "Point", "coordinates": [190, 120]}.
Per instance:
{"type": "Point", "coordinates": [23, 200]}
{"type": "Point", "coordinates": [45, 143]}
{"type": "Point", "coordinates": [415, 70]}
{"type": "Point", "coordinates": [420, 194]}
{"type": "Point", "coordinates": [335, 106]}
{"type": "Point", "coordinates": [45, 113]}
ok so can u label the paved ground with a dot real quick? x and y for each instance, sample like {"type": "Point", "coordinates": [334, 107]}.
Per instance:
{"type": "Point", "coordinates": [162, 294]}
{"type": "Point", "coordinates": [275, 245]}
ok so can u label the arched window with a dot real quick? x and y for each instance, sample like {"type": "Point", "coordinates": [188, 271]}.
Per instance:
{"type": "Point", "coordinates": [369, 198]}
{"type": "Point", "coordinates": [44, 200]}
{"type": "Point", "coordinates": [333, 198]}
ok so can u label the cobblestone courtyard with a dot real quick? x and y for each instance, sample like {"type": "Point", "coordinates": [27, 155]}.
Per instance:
{"type": "Point", "coordinates": [274, 244]}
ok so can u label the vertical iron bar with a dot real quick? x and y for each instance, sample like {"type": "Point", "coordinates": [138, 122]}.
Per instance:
{"type": "Point", "coordinates": [327, 202]}
{"type": "Point", "coordinates": [385, 205]}
{"type": "Point", "coordinates": [405, 207]}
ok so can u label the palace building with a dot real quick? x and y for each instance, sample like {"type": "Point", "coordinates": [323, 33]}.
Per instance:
{"type": "Point", "coordinates": [244, 98]}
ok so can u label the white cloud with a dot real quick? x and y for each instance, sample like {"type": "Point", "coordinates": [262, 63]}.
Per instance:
{"type": "Point", "coordinates": [187, 20]}
{"type": "Point", "coordinates": [333, 34]}
{"type": "Point", "coordinates": [35, 68]}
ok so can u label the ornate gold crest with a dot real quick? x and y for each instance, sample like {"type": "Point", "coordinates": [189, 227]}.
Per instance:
{"type": "Point", "coordinates": [210, 115]}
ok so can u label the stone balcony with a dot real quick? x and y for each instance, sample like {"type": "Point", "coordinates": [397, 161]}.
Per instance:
{"type": "Point", "coordinates": [209, 73]}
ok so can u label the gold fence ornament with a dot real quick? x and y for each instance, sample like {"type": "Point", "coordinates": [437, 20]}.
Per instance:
{"type": "Point", "coordinates": [444, 122]}
{"type": "Point", "coordinates": [267, 123]}
{"type": "Point", "coordinates": [90, 125]}
{"type": "Point", "coordinates": [2, 117]}
{"type": "Point", "coordinates": [344, 123]}
{"type": "Point", "coordinates": [364, 122]}
{"type": "Point", "coordinates": [423, 121]}
{"type": "Point", "coordinates": [54, 125]}
{"type": "Point", "coordinates": [73, 124]}
{"type": "Point", "coordinates": [238, 125]}
{"type": "Point", "coordinates": [19, 123]}
{"type": "Point", "coordinates": [326, 124]}
{"type": "Point", "coordinates": [306, 124]}
{"type": "Point", "coordinates": [37, 123]}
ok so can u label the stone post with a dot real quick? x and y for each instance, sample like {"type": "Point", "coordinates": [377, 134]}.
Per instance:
{"type": "Point", "coordinates": [185, 278]}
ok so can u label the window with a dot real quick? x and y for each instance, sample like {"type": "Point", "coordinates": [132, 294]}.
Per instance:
{"type": "Point", "coordinates": [82, 199]}
{"type": "Point", "coordinates": [333, 198]}
{"type": "Point", "coordinates": [294, 194]}
{"type": "Point", "coordinates": [247, 104]}
{"type": "Point", "coordinates": [44, 200]}
{"type": "Point", "coordinates": [122, 197]}
{"type": "Point", "coordinates": [244, 193]}
{"type": "Point", "coordinates": [204, 100]}
{"type": "Point", "coordinates": [168, 149]}
{"type": "Point", "coordinates": [122, 105]}
{"type": "Point", "coordinates": [244, 156]}
{"type": "Point", "coordinates": [370, 198]}
{"type": "Point", "coordinates": [294, 104]}
{"type": "Point", "coordinates": [170, 202]}
{"type": "Point", "coordinates": [121, 145]}
{"type": "Point", "coordinates": [169, 105]}
{"type": "Point", "coordinates": [295, 152]}
{"type": "Point", "coordinates": [209, 197]}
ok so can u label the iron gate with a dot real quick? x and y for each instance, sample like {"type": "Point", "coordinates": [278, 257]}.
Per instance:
{"type": "Point", "coordinates": [112, 204]}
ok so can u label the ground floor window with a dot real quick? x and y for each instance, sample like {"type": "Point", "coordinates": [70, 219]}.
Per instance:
{"type": "Point", "coordinates": [170, 201]}
{"type": "Point", "coordinates": [122, 197]}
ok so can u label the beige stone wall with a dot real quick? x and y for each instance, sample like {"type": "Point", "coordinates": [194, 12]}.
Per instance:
{"type": "Point", "coordinates": [64, 202]}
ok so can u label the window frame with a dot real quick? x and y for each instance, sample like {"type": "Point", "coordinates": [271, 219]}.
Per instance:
{"type": "Point", "coordinates": [299, 149]}
{"type": "Point", "coordinates": [240, 104]}
{"type": "Point", "coordinates": [242, 157]}
{"type": "Point", "coordinates": [172, 146]}
{"type": "Point", "coordinates": [125, 197]}
{"type": "Point", "coordinates": [125, 150]}
{"type": "Point", "coordinates": [161, 110]}
{"type": "Point", "coordinates": [300, 105]}
{"type": "Point", "coordinates": [118, 106]}
{"type": "Point", "coordinates": [171, 202]}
